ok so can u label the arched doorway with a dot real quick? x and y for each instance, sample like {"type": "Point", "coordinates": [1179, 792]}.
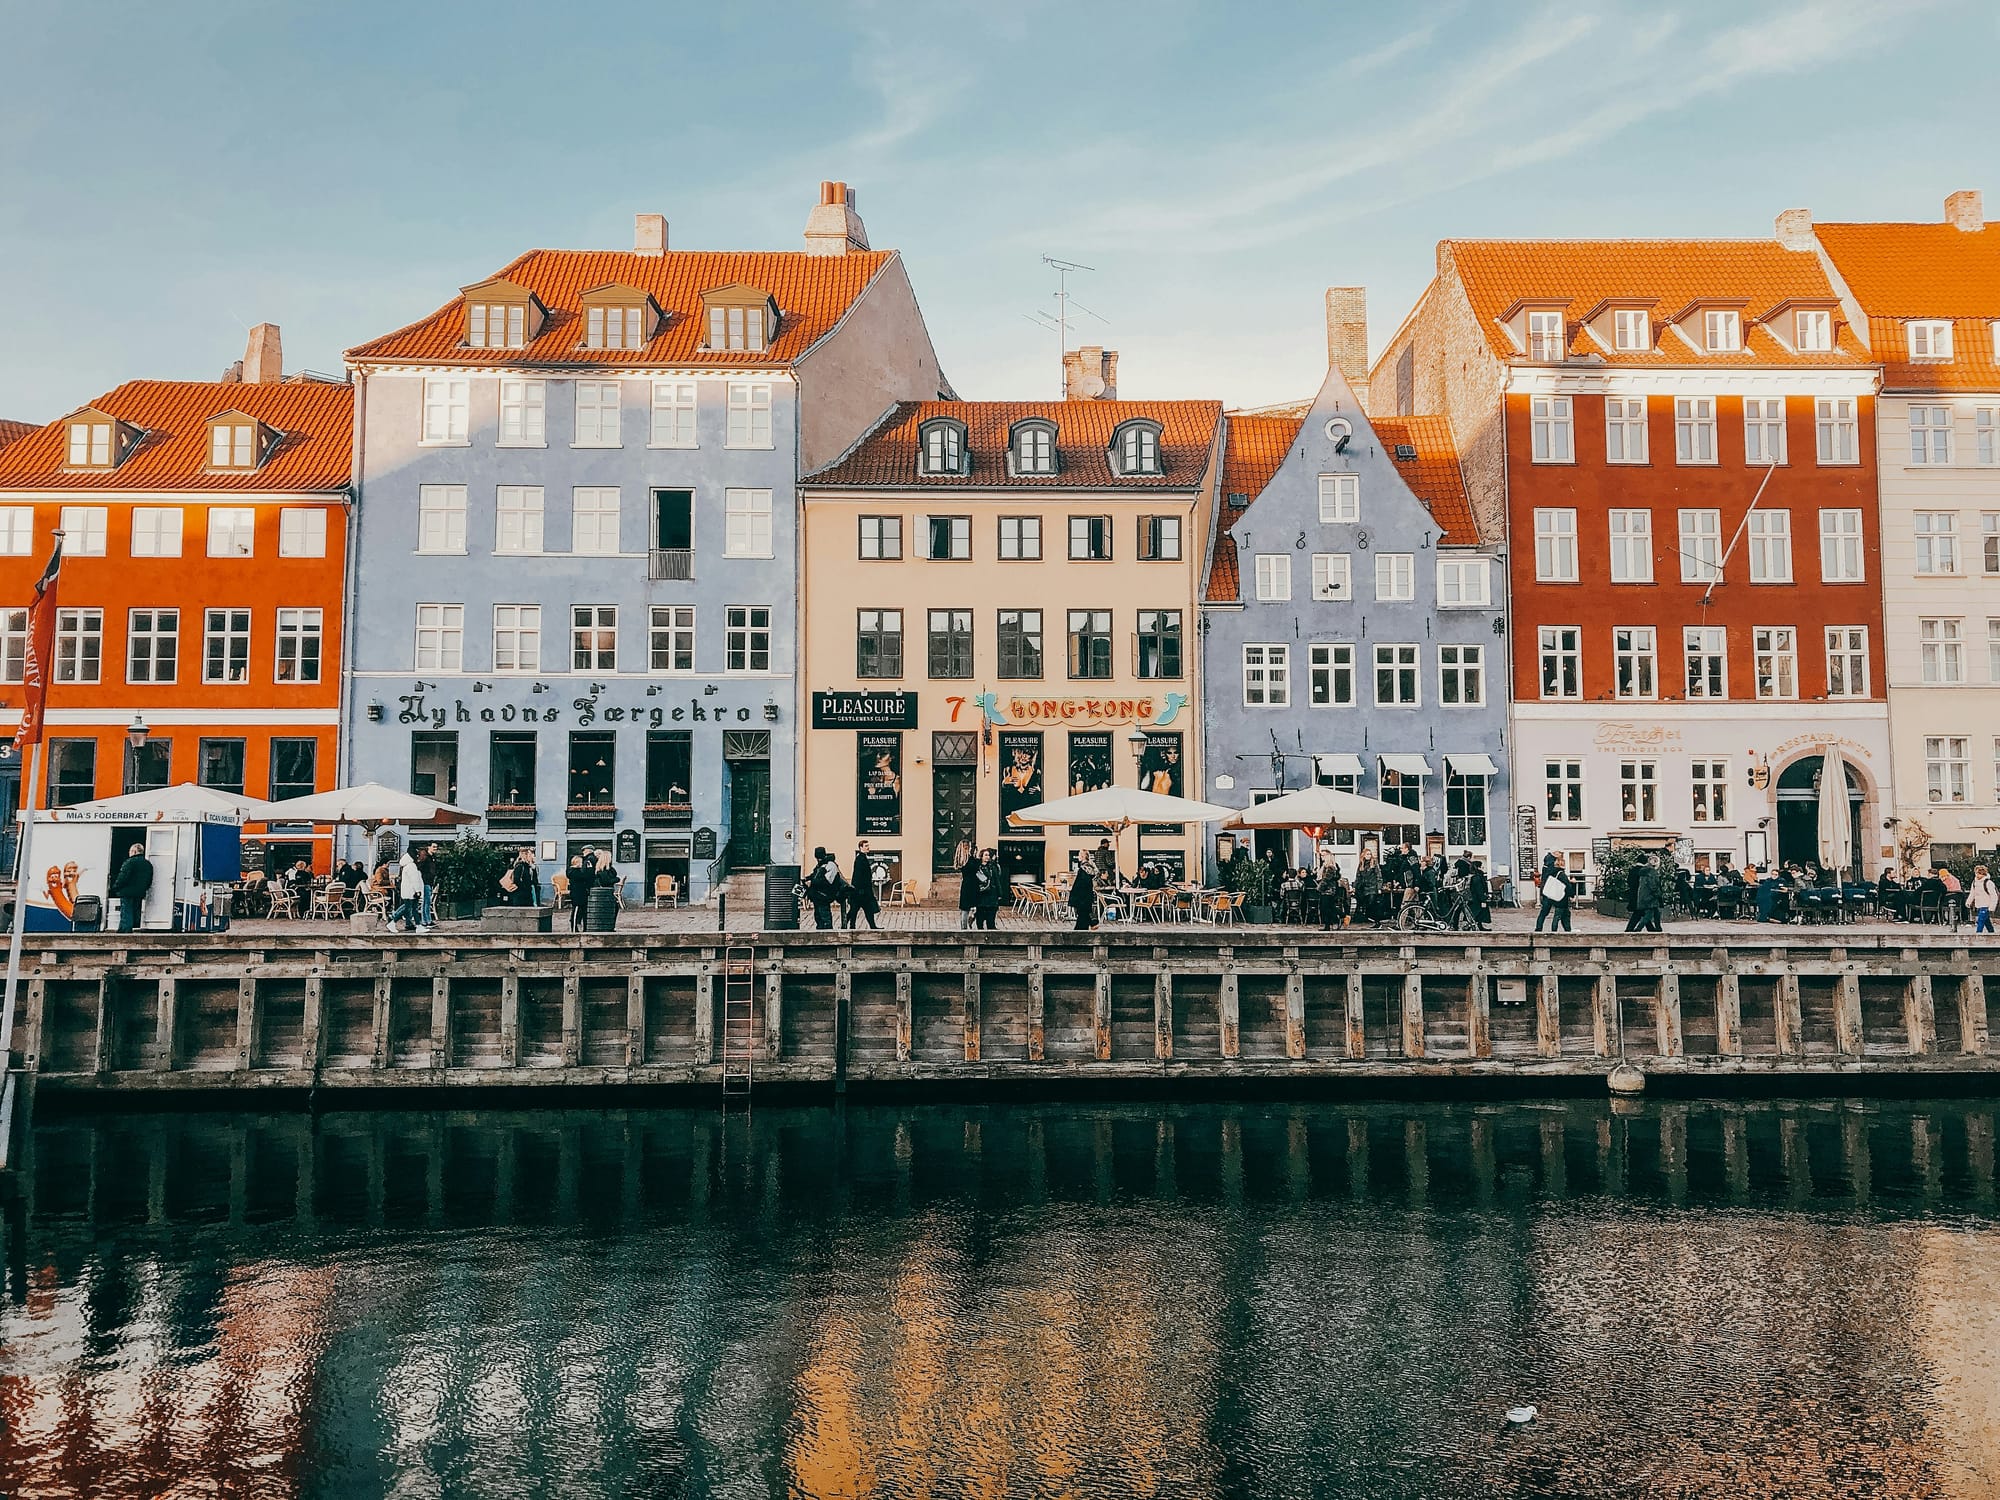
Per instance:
{"type": "Point", "coordinates": [1798, 810]}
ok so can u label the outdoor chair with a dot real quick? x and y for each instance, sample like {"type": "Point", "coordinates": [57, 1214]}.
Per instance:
{"type": "Point", "coordinates": [665, 893]}
{"type": "Point", "coordinates": [330, 901]}
{"type": "Point", "coordinates": [283, 907]}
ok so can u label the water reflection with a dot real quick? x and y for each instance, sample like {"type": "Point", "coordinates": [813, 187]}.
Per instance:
{"type": "Point", "coordinates": [1703, 1299]}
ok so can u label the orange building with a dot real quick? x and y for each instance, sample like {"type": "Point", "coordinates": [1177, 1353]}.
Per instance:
{"type": "Point", "coordinates": [205, 537]}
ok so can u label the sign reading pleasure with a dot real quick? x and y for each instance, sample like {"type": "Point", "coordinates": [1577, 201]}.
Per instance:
{"type": "Point", "coordinates": [858, 710]}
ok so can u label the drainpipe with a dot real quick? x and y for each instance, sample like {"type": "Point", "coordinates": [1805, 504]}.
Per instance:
{"type": "Point", "coordinates": [350, 616]}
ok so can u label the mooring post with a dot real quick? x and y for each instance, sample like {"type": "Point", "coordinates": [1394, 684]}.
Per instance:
{"type": "Point", "coordinates": [1037, 1008]}
{"type": "Point", "coordinates": [1972, 1015]}
{"type": "Point", "coordinates": [1920, 1013]}
{"type": "Point", "coordinates": [1229, 1003]}
{"type": "Point", "coordinates": [107, 998]}
{"type": "Point", "coordinates": [312, 1024]}
{"type": "Point", "coordinates": [166, 1024]}
{"type": "Point", "coordinates": [1604, 1015]}
{"type": "Point", "coordinates": [1357, 1018]}
{"type": "Point", "coordinates": [704, 1013]}
{"type": "Point", "coordinates": [1163, 1016]}
{"type": "Point", "coordinates": [1295, 1013]}
{"type": "Point", "coordinates": [572, 1019]}
{"type": "Point", "coordinates": [1847, 1038]}
{"type": "Point", "coordinates": [1728, 1014]}
{"type": "Point", "coordinates": [1413, 1015]}
{"type": "Point", "coordinates": [1101, 1011]}
{"type": "Point", "coordinates": [1667, 1015]}
{"type": "Point", "coordinates": [1548, 1014]}
{"type": "Point", "coordinates": [774, 1013]}
{"type": "Point", "coordinates": [510, 1020]}
{"type": "Point", "coordinates": [246, 1022]}
{"type": "Point", "coordinates": [1478, 1014]}
{"type": "Point", "coordinates": [843, 1023]}
{"type": "Point", "coordinates": [906, 1015]}
{"type": "Point", "coordinates": [635, 1020]}
{"type": "Point", "coordinates": [440, 1021]}
{"type": "Point", "coordinates": [379, 1034]}
{"type": "Point", "coordinates": [971, 1006]}
{"type": "Point", "coordinates": [1791, 1024]}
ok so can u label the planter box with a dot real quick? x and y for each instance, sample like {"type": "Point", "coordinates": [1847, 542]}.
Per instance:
{"type": "Point", "coordinates": [516, 918]}
{"type": "Point", "coordinates": [1611, 906]}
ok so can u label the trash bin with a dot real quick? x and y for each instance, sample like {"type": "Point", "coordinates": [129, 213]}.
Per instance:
{"type": "Point", "coordinates": [88, 914]}
{"type": "Point", "coordinates": [600, 914]}
{"type": "Point", "coordinates": [781, 898]}
{"type": "Point", "coordinates": [220, 908]}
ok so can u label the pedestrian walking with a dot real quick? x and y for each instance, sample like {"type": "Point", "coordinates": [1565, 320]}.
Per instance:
{"type": "Point", "coordinates": [135, 878]}
{"type": "Point", "coordinates": [861, 898]}
{"type": "Point", "coordinates": [990, 888]}
{"type": "Point", "coordinates": [426, 858]}
{"type": "Point", "coordinates": [1555, 893]}
{"type": "Point", "coordinates": [1648, 896]}
{"type": "Point", "coordinates": [1083, 898]}
{"type": "Point", "coordinates": [410, 893]}
{"type": "Point", "coordinates": [823, 889]}
{"type": "Point", "coordinates": [968, 888]}
{"type": "Point", "coordinates": [1982, 896]}
{"type": "Point", "coordinates": [581, 874]}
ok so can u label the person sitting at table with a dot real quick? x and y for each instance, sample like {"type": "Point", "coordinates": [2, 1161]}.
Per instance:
{"type": "Point", "coordinates": [1336, 898]}
{"type": "Point", "coordinates": [1771, 896]}
{"type": "Point", "coordinates": [1890, 894]}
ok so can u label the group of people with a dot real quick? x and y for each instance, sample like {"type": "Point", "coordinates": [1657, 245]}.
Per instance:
{"type": "Point", "coordinates": [1382, 888]}
{"type": "Point", "coordinates": [856, 896]}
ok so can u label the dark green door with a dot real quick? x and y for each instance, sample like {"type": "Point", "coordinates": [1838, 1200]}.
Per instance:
{"type": "Point", "coordinates": [954, 813]}
{"type": "Point", "coordinates": [749, 812]}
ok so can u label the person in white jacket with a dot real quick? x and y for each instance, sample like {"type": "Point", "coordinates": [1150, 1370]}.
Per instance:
{"type": "Point", "coordinates": [1982, 896]}
{"type": "Point", "coordinates": [410, 888]}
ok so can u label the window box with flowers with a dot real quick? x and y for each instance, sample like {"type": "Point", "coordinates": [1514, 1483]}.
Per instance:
{"type": "Point", "coordinates": [670, 815]}
{"type": "Point", "coordinates": [592, 814]}
{"type": "Point", "coordinates": [510, 815]}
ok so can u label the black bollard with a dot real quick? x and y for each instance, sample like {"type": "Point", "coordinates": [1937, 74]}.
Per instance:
{"type": "Point", "coordinates": [722, 911]}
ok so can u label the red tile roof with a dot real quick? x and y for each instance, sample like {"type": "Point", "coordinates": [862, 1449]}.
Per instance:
{"type": "Point", "coordinates": [1912, 271]}
{"type": "Point", "coordinates": [887, 456]}
{"type": "Point", "coordinates": [812, 293]}
{"type": "Point", "coordinates": [1672, 275]}
{"type": "Point", "coordinates": [1434, 474]}
{"type": "Point", "coordinates": [315, 452]}
{"type": "Point", "coordinates": [14, 431]}
{"type": "Point", "coordinates": [1254, 447]}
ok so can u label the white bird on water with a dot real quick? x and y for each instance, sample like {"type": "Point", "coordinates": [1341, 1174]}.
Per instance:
{"type": "Point", "coordinates": [1521, 1416]}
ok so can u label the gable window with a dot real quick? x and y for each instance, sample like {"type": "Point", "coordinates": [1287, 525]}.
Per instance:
{"type": "Point", "coordinates": [1625, 429]}
{"type": "Point", "coordinates": [749, 416]}
{"type": "Point", "coordinates": [1333, 577]}
{"type": "Point", "coordinates": [1770, 538]}
{"type": "Point", "coordinates": [156, 531]}
{"type": "Point", "coordinates": [232, 445]}
{"type": "Point", "coordinates": [1138, 448]}
{"type": "Point", "coordinates": [1555, 545]}
{"type": "Point", "coordinates": [1274, 576]}
{"type": "Point", "coordinates": [1395, 576]}
{"type": "Point", "coordinates": [1545, 336]}
{"type": "Point", "coordinates": [1339, 498]}
{"type": "Point", "coordinates": [1034, 448]}
{"type": "Point", "coordinates": [1936, 538]}
{"type": "Point", "coordinates": [1631, 546]}
{"type": "Point", "coordinates": [737, 328]}
{"type": "Point", "coordinates": [1267, 676]}
{"type": "Point", "coordinates": [1561, 652]}
{"type": "Point", "coordinates": [1159, 643]}
{"type": "Point", "coordinates": [948, 538]}
{"type": "Point", "coordinates": [1722, 330]}
{"type": "Point", "coordinates": [1396, 677]}
{"type": "Point", "coordinates": [1634, 661]}
{"type": "Point", "coordinates": [881, 538]}
{"type": "Point", "coordinates": [950, 644]}
{"type": "Point", "coordinates": [152, 645]}
{"type": "Point", "coordinates": [1330, 675]}
{"type": "Point", "coordinates": [301, 531]}
{"type": "Point", "coordinates": [226, 646]}
{"type": "Point", "coordinates": [447, 409]}
{"type": "Point", "coordinates": [232, 531]}
{"type": "Point", "coordinates": [1763, 430]}
{"type": "Point", "coordinates": [1929, 340]}
{"type": "Point", "coordinates": [1930, 434]}
{"type": "Point", "coordinates": [1089, 643]}
{"type": "Point", "coordinates": [517, 525]}
{"type": "Point", "coordinates": [1090, 538]}
{"type": "Point", "coordinates": [594, 515]}
{"type": "Point", "coordinates": [597, 403]}
{"type": "Point", "coordinates": [1020, 538]}
{"type": "Point", "coordinates": [1833, 420]}
{"type": "Point", "coordinates": [83, 529]}
{"type": "Point", "coordinates": [1705, 649]}
{"type": "Point", "coordinates": [1463, 583]}
{"type": "Point", "coordinates": [1020, 642]}
{"type": "Point", "coordinates": [523, 413]}
{"type": "Point", "coordinates": [80, 644]}
{"type": "Point", "coordinates": [1461, 676]}
{"type": "Point", "coordinates": [593, 637]}
{"type": "Point", "coordinates": [1694, 429]}
{"type": "Point", "coordinates": [746, 523]}
{"type": "Point", "coordinates": [1813, 331]}
{"type": "Point", "coordinates": [613, 327]}
{"type": "Point", "coordinates": [1159, 538]}
{"type": "Point", "coordinates": [1840, 557]}
{"type": "Point", "coordinates": [1701, 546]}
{"type": "Point", "coordinates": [299, 635]}
{"type": "Point", "coordinates": [1847, 661]}
{"type": "Point", "coordinates": [1776, 653]}
{"type": "Point", "coordinates": [670, 639]}
{"type": "Point", "coordinates": [17, 531]}
{"type": "Point", "coordinates": [1549, 425]}
{"type": "Point", "coordinates": [496, 325]}
{"type": "Point", "coordinates": [673, 414]}
{"type": "Point", "coordinates": [1631, 329]}
{"type": "Point", "coordinates": [90, 444]}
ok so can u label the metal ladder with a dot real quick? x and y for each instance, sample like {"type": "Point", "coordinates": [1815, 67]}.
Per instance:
{"type": "Point", "coordinates": [739, 1022]}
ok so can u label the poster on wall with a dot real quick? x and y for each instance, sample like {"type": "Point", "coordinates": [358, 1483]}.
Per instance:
{"type": "Point", "coordinates": [1171, 862]}
{"type": "Point", "coordinates": [1089, 771]}
{"type": "Point", "coordinates": [878, 776]}
{"type": "Point", "coordinates": [1160, 771]}
{"type": "Point", "coordinates": [1020, 778]}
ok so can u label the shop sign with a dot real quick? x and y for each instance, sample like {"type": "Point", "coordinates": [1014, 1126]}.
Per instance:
{"type": "Point", "coordinates": [628, 846]}
{"type": "Point", "coordinates": [1160, 771]}
{"type": "Point", "coordinates": [1020, 778]}
{"type": "Point", "coordinates": [864, 710]}
{"type": "Point", "coordinates": [704, 844]}
{"type": "Point", "coordinates": [878, 783]}
{"type": "Point", "coordinates": [419, 707]}
{"type": "Point", "coordinates": [1143, 709]}
{"type": "Point", "coordinates": [1630, 736]}
{"type": "Point", "coordinates": [1820, 742]}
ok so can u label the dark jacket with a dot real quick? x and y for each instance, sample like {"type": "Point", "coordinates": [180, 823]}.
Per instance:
{"type": "Point", "coordinates": [527, 885]}
{"type": "Point", "coordinates": [863, 882]}
{"type": "Point", "coordinates": [581, 879]}
{"type": "Point", "coordinates": [968, 885]}
{"type": "Point", "coordinates": [1646, 888]}
{"type": "Point", "coordinates": [135, 878]}
{"type": "Point", "coordinates": [1083, 891]}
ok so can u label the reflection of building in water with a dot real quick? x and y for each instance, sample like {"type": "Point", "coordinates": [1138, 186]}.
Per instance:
{"type": "Point", "coordinates": [1956, 1303]}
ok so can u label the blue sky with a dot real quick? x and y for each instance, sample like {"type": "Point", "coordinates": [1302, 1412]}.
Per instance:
{"type": "Point", "coordinates": [173, 173]}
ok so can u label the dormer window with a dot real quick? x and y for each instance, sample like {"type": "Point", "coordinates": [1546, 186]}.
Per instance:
{"type": "Point", "coordinates": [1722, 330]}
{"type": "Point", "coordinates": [1631, 329]}
{"type": "Point", "coordinates": [500, 314]}
{"type": "Point", "coordinates": [1545, 336]}
{"type": "Point", "coordinates": [943, 447]}
{"type": "Point", "coordinates": [1929, 340]}
{"type": "Point", "coordinates": [98, 440]}
{"type": "Point", "coordinates": [1135, 448]}
{"type": "Point", "coordinates": [1813, 331]}
{"type": "Point", "coordinates": [612, 328]}
{"type": "Point", "coordinates": [740, 317]}
{"type": "Point", "coordinates": [1032, 449]}
{"type": "Point", "coordinates": [232, 445]}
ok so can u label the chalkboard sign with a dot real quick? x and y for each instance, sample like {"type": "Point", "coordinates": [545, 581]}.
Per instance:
{"type": "Point", "coordinates": [704, 843]}
{"type": "Point", "coordinates": [628, 846]}
{"type": "Point", "coordinates": [781, 898]}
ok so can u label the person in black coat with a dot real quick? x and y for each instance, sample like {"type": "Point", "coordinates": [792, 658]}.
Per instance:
{"type": "Point", "coordinates": [991, 887]}
{"type": "Point", "coordinates": [134, 879]}
{"type": "Point", "coordinates": [527, 882]}
{"type": "Point", "coordinates": [861, 898]}
{"type": "Point", "coordinates": [823, 885]}
{"type": "Point", "coordinates": [968, 890]}
{"type": "Point", "coordinates": [1083, 898]}
{"type": "Point", "coordinates": [582, 875]}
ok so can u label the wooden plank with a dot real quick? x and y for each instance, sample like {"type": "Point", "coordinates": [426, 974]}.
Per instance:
{"type": "Point", "coordinates": [110, 993]}
{"type": "Point", "coordinates": [1413, 1015]}
{"type": "Point", "coordinates": [1101, 1009]}
{"type": "Point", "coordinates": [1847, 1034]}
{"type": "Point", "coordinates": [1667, 1015]}
{"type": "Point", "coordinates": [1037, 1012]}
{"type": "Point", "coordinates": [1791, 1025]}
{"type": "Point", "coordinates": [1478, 1014]}
{"type": "Point", "coordinates": [165, 1026]}
{"type": "Point", "coordinates": [246, 1022]}
{"type": "Point", "coordinates": [572, 1019]}
{"type": "Point", "coordinates": [1295, 1014]}
{"type": "Point", "coordinates": [1163, 1016]}
{"type": "Point", "coordinates": [972, 1037]}
{"type": "Point", "coordinates": [635, 1020]}
{"type": "Point", "coordinates": [1230, 1003]}
{"type": "Point", "coordinates": [510, 1020]}
{"type": "Point", "coordinates": [1548, 1015]}
{"type": "Point", "coordinates": [381, 1021]}
{"type": "Point", "coordinates": [1920, 1013]}
{"type": "Point", "coordinates": [1972, 1021]}
{"type": "Point", "coordinates": [1357, 1018]}
{"type": "Point", "coordinates": [704, 1015]}
{"type": "Point", "coordinates": [906, 1021]}
{"type": "Point", "coordinates": [312, 1025]}
{"type": "Point", "coordinates": [774, 1013]}
{"type": "Point", "coordinates": [440, 1021]}
{"type": "Point", "coordinates": [1604, 1015]}
{"type": "Point", "coordinates": [1728, 1014]}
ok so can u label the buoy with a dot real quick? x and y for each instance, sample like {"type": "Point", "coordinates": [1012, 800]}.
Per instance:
{"type": "Point", "coordinates": [1626, 1079]}
{"type": "Point", "coordinates": [1521, 1416]}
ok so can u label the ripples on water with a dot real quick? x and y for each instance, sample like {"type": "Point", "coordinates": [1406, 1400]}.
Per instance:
{"type": "Point", "coordinates": [1231, 1300]}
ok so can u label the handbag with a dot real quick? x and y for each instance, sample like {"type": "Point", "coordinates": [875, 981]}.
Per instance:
{"type": "Point", "coordinates": [1555, 888]}
{"type": "Point", "coordinates": [507, 880]}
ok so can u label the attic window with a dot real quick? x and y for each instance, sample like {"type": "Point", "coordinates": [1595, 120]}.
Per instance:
{"type": "Point", "coordinates": [90, 444]}
{"type": "Point", "coordinates": [614, 328]}
{"type": "Point", "coordinates": [1406, 453]}
{"type": "Point", "coordinates": [1033, 450]}
{"type": "Point", "coordinates": [1722, 330]}
{"type": "Point", "coordinates": [1631, 330]}
{"type": "Point", "coordinates": [232, 445]}
{"type": "Point", "coordinates": [1238, 500]}
{"type": "Point", "coordinates": [736, 328]}
{"type": "Point", "coordinates": [496, 325]}
{"type": "Point", "coordinates": [1929, 340]}
{"type": "Point", "coordinates": [1545, 336]}
{"type": "Point", "coordinates": [943, 450]}
{"type": "Point", "coordinates": [1135, 448]}
{"type": "Point", "coordinates": [1815, 330]}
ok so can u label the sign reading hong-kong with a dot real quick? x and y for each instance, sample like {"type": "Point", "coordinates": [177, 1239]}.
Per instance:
{"type": "Point", "coordinates": [1137, 710]}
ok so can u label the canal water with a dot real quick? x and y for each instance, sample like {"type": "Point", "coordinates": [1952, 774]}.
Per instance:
{"type": "Point", "coordinates": [1261, 1300]}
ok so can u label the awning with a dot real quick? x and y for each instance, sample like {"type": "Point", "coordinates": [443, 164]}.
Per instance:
{"type": "Point", "coordinates": [1337, 763]}
{"type": "Point", "coordinates": [1471, 765]}
{"type": "Point", "coordinates": [1406, 765]}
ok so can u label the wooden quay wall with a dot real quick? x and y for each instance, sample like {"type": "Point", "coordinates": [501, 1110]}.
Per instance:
{"type": "Point", "coordinates": [346, 1015]}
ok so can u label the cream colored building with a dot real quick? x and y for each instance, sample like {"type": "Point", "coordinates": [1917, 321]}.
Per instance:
{"type": "Point", "coordinates": [1928, 296]}
{"type": "Point", "coordinates": [998, 608]}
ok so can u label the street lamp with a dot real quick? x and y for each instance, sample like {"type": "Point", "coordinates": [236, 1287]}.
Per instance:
{"type": "Point", "coordinates": [136, 733]}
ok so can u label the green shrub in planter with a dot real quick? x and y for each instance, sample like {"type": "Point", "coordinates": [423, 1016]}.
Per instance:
{"type": "Point", "coordinates": [468, 872]}
{"type": "Point", "coordinates": [1252, 878]}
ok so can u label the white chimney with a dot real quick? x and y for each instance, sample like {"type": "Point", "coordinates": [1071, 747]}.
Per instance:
{"type": "Point", "coordinates": [1794, 229]}
{"type": "Point", "coordinates": [1965, 211]}
{"type": "Point", "coordinates": [833, 227]}
{"type": "Point", "coordinates": [649, 234]}
{"type": "Point", "coordinates": [263, 360]}
{"type": "Point", "coordinates": [1090, 374]}
{"type": "Point", "coordinates": [1347, 336]}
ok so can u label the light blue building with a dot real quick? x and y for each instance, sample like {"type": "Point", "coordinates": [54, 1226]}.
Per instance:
{"type": "Point", "coordinates": [574, 566]}
{"type": "Point", "coordinates": [1354, 629]}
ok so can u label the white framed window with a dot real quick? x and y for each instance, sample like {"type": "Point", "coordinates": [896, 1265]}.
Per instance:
{"type": "Point", "coordinates": [13, 644]}
{"type": "Point", "coordinates": [152, 645]}
{"type": "Point", "coordinates": [84, 530]}
{"type": "Point", "coordinates": [441, 518]}
{"type": "Point", "coordinates": [1989, 542]}
{"type": "Point", "coordinates": [1930, 434]}
{"type": "Point", "coordinates": [1941, 650]}
{"type": "Point", "coordinates": [1769, 533]}
{"type": "Point", "coordinates": [1330, 675]}
{"type": "Point", "coordinates": [1395, 576]}
{"type": "Point", "coordinates": [943, 449]}
{"type": "Point", "coordinates": [1947, 768]}
{"type": "Point", "coordinates": [1333, 577]}
{"type": "Point", "coordinates": [1837, 435]}
{"type": "Point", "coordinates": [1339, 498]}
{"type": "Point", "coordinates": [1551, 430]}
{"type": "Point", "coordinates": [440, 643]}
{"type": "Point", "coordinates": [1397, 683]}
{"type": "Point", "coordinates": [300, 632]}
{"type": "Point", "coordinates": [1705, 655]}
{"type": "Point", "coordinates": [1625, 429]}
{"type": "Point", "coordinates": [1936, 536]}
{"type": "Point", "coordinates": [1986, 434]}
{"type": "Point", "coordinates": [1561, 651]}
{"type": "Point", "coordinates": [301, 531]}
{"type": "Point", "coordinates": [1993, 650]}
{"type": "Point", "coordinates": [593, 638]}
{"type": "Point", "coordinates": [749, 415]}
{"type": "Point", "coordinates": [1709, 781]}
{"type": "Point", "coordinates": [1694, 429]}
{"type": "Point", "coordinates": [226, 646]}
{"type": "Point", "coordinates": [156, 531]}
{"type": "Point", "coordinates": [746, 523]}
{"type": "Point", "coordinates": [1555, 545]}
{"type": "Point", "coordinates": [1562, 784]}
{"type": "Point", "coordinates": [594, 516]}
{"type": "Point", "coordinates": [523, 413]}
{"type": "Point", "coordinates": [232, 445]}
{"type": "Point", "coordinates": [1763, 430]}
{"type": "Point", "coordinates": [80, 644]}
{"type": "Point", "coordinates": [517, 638]}
{"type": "Point", "coordinates": [90, 445]}
{"type": "Point", "coordinates": [1841, 559]}
{"type": "Point", "coordinates": [1635, 661]}
{"type": "Point", "coordinates": [1631, 329]}
{"type": "Point", "coordinates": [496, 325]}
{"type": "Point", "coordinates": [447, 409]}
{"type": "Point", "coordinates": [1812, 331]}
{"type": "Point", "coordinates": [1545, 335]}
{"type": "Point", "coordinates": [1639, 791]}
{"type": "Point", "coordinates": [1461, 676]}
{"type": "Point", "coordinates": [1930, 339]}
{"type": "Point", "coordinates": [17, 530]}
{"type": "Point", "coordinates": [670, 643]}
{"type": "Point", "coordinates": [673, 414]}
{"type": "Point", "coordinates": [1267, 676]}
{"type": "Point", "coordinates": [1274, 575]}
{"type": "Point", "coordinates": [880, 538]}
{"type": "Point", "coordinates": [1847, 661]}
{"type": "Point", "coordinates": [612, 327]}
{"type": "Point", "coordinates": [1701, 546]}
{"type": "Point", "coordinates": [1631, 546]}
{"type": "Point", "coordinates": [736, 328]}
{"type": "Point", "coordinates": [597, 405]}
{"type": "Point", "coordinates": [1464, 583]}
{"type": "Point", "coordinates": [517, 519]}
{"type": "Point", "coordinates": [1776, 652]}
{"type": "Point", "coordinates": [1722, 330]}
{"type": "Point", "coordinates": [1020, 538]}
{"type": "Point", "coordinates": [232, 531]}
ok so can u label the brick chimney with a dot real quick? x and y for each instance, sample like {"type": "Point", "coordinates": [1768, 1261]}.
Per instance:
{"type": "Point", "coordinates": [1794, 229]}
{"type": "Point", "coordinates": [263, 360]}
{"type": "Point", "coordinates": [833, 227]}
{"type": "Point", "coordinates": [1347, 336]}
{"type": "Point", "coordinates": [1965, 211]}
{"type": "Point", "coordinates": [1090, 374]}
{"type": "Point", "coordinates": [649, 234]}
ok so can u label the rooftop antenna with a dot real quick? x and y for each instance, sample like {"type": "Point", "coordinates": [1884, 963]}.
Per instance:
{"type": "Point", "coordinates": [1062, 269]}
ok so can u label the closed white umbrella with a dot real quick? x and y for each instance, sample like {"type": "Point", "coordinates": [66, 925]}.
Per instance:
{"type": "Point", "coordinates": [1320, 807]}
{"type": "Point", "coordinates": [1836, 817]}
{"type": "Point", "coordinates": [370, 805]}
{"type": "Point", "coordinates": [1119, 807]}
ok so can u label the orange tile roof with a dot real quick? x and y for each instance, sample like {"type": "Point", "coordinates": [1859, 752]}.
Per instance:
{"type": "Point", "coordinates": [1253, 448]}
{"type": "Point", "coordinates": [1434, 474]}
{"type": "Point", "coordinates": [11, 432]}
{"type": "Point", "coordinates": [1670, 274]}
{"type": "Point", "coordinates": [316, 418]}
{"type": "Point", "coordinates": [887, 456]}
{"type": "Point", "coordinates": [1904, 271]}
{"type": "Point", "coordinates": [812, 293]}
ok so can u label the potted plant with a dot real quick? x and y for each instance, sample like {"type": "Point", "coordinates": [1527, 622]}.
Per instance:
{"type": "Point", "coordinates": [468, 873]}
{"type": "Point", "coordinates": [1614, 882]}
{"type": "Point", "coordinates": [1252, 879]}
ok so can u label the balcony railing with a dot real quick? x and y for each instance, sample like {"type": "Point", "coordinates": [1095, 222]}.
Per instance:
{"type": "Point", "coordinates": [592, 815]}
{"type": "Point", "coordinates": [510, 815]}
{"type": "Point", "coordinates": [671, 564]}
{"type": "Point", "coordinates": [670, 815]}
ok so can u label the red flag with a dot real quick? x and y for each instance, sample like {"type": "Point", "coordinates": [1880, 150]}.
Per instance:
{"type": "Point", "coordinates": [41, 652]}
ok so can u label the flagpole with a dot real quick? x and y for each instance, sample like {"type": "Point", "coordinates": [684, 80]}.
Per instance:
{"type": "Point", "coordinates": [8, 1079]}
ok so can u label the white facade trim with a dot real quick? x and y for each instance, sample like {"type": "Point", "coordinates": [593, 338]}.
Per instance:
{"type": "Point", "coordinates": [779, 374]}
{"type": "Point", "coordinates": [1749, 711]}
{"type": "Point", "coordinates": [1816, 380]}
{"type": "Point", "coordinates": [157, 718]}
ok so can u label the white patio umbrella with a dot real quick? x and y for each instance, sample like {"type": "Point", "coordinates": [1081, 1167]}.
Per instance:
{"type": "Point", "coordinates": [1321, 807]}
{"type": "Point", "coordinates": [371, 805]}
{"type": "Point", "coordinates": [178, 801]}
{"type": "Point", "coordinates": [1119, 807]}
{"type": "Point", "coordinates": [1836, 816]}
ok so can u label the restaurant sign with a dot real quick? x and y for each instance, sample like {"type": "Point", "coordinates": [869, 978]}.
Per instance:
{"type": "Point", "coordinates": [855, 710]}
